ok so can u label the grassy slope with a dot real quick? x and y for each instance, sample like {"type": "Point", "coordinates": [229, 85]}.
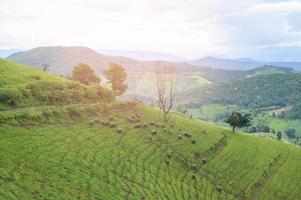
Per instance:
{"type": "Point", "coordinates": [53, 152]}
{"type": "Point", "coordinates": [72, 159]}
{"type": "Point", "coordinates": [24, 86]}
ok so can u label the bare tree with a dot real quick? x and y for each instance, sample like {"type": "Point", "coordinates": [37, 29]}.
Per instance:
{"type": "Point", "coordinates": [166, 78]}
{"type": "Point", "coordinates": [45, 67]}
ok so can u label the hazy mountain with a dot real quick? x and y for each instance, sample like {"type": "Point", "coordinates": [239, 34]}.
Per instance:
{"type": "Point", "coordinates": [62, 59]}
{"type": "Point", "coordinates": [278, 54]}
{"type": "Point", "coordinates": [144, 55]}
{"type": "Point", "coordinates": [6, 52]}
{"type": "Point", "coordinates": [240, 63]}
{"type": "Point", "coordinates": [269, 70]}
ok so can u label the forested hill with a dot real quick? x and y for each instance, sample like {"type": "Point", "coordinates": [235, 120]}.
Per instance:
{"type": "Point", "coordinates": [279, 89]}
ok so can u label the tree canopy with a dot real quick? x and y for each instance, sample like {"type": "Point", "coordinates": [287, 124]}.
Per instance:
{"type": "Point", "coordinates": [116, 75]}
{"type": "Point", "coordinates": [237, 120]}
{"type": "Point", "coordinates": [84, 74]}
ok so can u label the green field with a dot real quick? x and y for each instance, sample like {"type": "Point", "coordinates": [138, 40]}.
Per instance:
{"type": "Point", "coordinates": [218, 112]}
{"type": "Point", "coordinates": [74, 151]}
{"type": "Point", "coordinates": [279, 124]}
{"type": "Point", "coordinates": [71, 159]}
{"type": "Point", "coordinates": [212, 112]}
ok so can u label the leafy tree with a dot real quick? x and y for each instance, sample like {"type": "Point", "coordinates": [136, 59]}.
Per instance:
{"type": "Point", "coordinates": [84, 74]}
{"type": "Point", "coordinates": [116, 75]}
{"type": "Point", "coordinates": [279, 135]}
{"type": "Point", "coordinates": [263, 128]}
{"type": "Point", "coordinates": [237, 120]}
{"type": "Point", "coordinates": [290, 132]}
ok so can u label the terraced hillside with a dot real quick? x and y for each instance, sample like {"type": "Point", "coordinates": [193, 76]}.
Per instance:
{"type": "Point", "coordinates": [121, 150]}
{"type": "Point", "coordinates": [55, 157]}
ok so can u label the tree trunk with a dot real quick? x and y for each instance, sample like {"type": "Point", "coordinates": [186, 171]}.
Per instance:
{"type": "Point", "coordinates": [233, 129]}
{"type": "Point", "coordinates": [165, 116]}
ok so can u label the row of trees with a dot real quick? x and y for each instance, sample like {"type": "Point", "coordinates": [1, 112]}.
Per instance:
{"type": "Point", "coordinates": [116, 76]}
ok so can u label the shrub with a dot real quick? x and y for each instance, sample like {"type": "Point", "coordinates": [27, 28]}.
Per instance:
{"type": "Point", "coordinates": [218, 188]}
{"type": "Point", "coordinates": [10, 96]}
{"type": "Point", "coordinates": [53, 92]}
{"type": "Point", "coordinates": [112, 125]}
{"type": "Point", "coordinates": [194, 167]}
{"type": "Point", "coordinates": [290, 132]}
{"type": "Point", "coordinates": [35, 77]}
{"type": "Point", "coordinates": [138, 125]}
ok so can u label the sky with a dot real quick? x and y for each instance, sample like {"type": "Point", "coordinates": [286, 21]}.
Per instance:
{"type": "Point", "coordinates": [184, 27]}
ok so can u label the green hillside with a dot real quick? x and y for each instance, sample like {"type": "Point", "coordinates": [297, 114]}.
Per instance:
{"type": "Point", "coordinates": [23, 86]}
{"type": "Point", "coordinates": [121, 150]}
{"type": "Point", "coordinates": [256, 92]}
{"type": "Point", "coordinates": [268, 70]}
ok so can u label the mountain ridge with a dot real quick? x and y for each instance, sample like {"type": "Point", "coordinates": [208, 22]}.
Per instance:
{"type": "Point", "coordinates": [62, 59]}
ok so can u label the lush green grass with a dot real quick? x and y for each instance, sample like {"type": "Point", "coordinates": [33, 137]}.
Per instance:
{"type": "Point", "coordinates": [279, 124]}
{"type": "Point", "coordinates": [212, 112]}
{"type": "Point", "coordinates": [219, 112]}
{"type": "Point", "coordinates": [76, 160]}
{"type": "Point", "coordinates": [54, 151]}
{"type": "Point", "coordinates": [25, 86]}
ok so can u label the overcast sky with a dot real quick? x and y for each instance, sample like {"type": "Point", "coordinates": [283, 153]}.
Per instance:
{"type": "Point", "coordinates": [183, 27]}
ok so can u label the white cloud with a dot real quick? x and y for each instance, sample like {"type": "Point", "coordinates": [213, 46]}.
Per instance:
{"type": "Point", "coordinates": [289, 6]}
{"type": "Point", "coordinates": [189, 27]}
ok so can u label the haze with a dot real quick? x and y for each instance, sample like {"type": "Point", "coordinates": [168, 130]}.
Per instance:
{"type": "Point", "coordinates": [187, 28]}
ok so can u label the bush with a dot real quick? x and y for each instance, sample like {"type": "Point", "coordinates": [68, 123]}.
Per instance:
{"type": "Point", "coordinates": [10, 96]}
{"type": "Point", "coordinates": [290, 132]}
{"type": "Point", "coordinates": [53, 92]}
{"type": "Point", "coordinates": [35, 77]}
{"type": "Point", "coordinates": [251, 129]}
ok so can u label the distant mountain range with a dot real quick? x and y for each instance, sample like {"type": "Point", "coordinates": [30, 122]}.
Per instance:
{"type": "Point", "coordinates": [144, 55]}
{"type": "Point", "coordinates": [61, 60]}
{"type": "Point", "coordinates": [278, 54]}
{"type": "Point", "coordinates": [237, 64]}
{"type": "Point", "coordinates": [240, 63]}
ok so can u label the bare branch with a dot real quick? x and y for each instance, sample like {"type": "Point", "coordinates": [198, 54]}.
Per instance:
{"type": "Point", "coordinates": [166, 79]}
